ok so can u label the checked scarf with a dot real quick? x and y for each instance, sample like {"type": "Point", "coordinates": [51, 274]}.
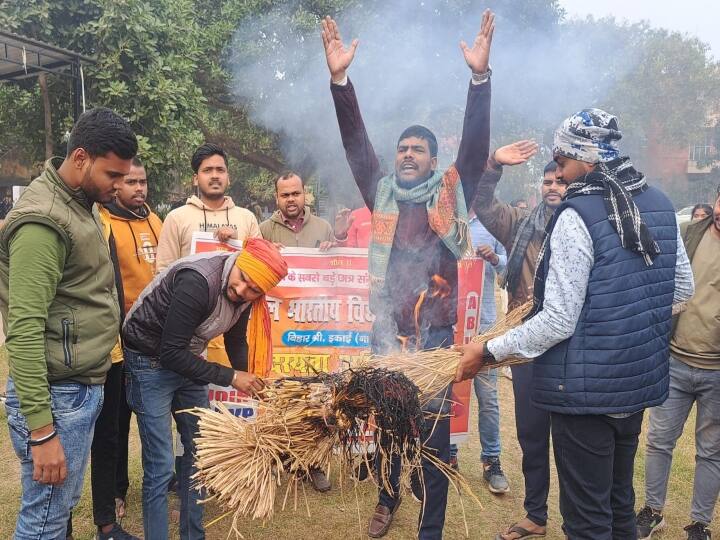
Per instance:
{"type": "Point", "coordinates": [533, 222]}
{"type": "Point", "coordinates": [617, 181]}
{"type": "Point", "coordinates": [447, 214]}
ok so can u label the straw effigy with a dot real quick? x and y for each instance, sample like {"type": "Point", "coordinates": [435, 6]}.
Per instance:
{"type": "Point", "coordinates": [301, 422]}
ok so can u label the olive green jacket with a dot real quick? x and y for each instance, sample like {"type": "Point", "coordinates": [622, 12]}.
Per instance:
{"type": "Point", "coordinates": [82, 319]}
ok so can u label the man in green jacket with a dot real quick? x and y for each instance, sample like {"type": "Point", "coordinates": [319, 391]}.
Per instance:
{"type": "Point", "coordinates": [292, 224]}
{"type": "Point", "coordinates": [60, 308]}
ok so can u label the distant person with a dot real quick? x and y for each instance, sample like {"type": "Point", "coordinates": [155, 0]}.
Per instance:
{"type": "Point", "coordinates": [519, 203]}
{"type": "Point", "coordinates": [694, 381]}
{"type": "Point", "coordinates": [134, 231]}
{"type": "Point", "coordinates": [700, 212]}
{"type": "Point", "coordinates": [359, 227]}
{"type": "Point", "coordinates": [209, 211]}
{"type": "Point", "coordinates": [292, 224]}
{"type": "Point", "coordinates": [165, 333]}
{"type": "Point", "coordinates": [61, 312]}
{"type": "Point", "coordinates": [487, 247]}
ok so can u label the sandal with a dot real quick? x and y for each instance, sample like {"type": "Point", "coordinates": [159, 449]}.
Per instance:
{"type": "Point", "coordinates": [524, 533]}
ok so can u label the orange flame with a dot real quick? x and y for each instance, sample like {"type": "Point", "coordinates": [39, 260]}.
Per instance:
{"type": "Point", "coordinates": [438, 288]}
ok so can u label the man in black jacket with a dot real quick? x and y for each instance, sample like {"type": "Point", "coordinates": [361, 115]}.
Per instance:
{"type": "Point", "coordinates": [191, 302]}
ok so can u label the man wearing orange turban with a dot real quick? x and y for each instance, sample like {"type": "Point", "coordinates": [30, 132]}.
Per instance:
{"type": "Point", "coordinates": [165, 333]}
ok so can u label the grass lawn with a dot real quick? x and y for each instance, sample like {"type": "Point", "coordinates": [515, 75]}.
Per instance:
{"type": "Point", "coordinates": [335, 515]}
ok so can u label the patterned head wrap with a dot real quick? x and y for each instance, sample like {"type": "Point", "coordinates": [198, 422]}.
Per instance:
{"type": "Point", "coordinates": [590, 135]}
{"type": "Point", "coordinates": [262, 263]}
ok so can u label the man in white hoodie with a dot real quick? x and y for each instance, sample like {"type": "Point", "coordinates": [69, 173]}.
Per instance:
{"type": "Point", "coordinates": [211, 210]}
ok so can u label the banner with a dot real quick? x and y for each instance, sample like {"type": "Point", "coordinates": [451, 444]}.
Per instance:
{"type": "Point", "coordinates": [321, 317]}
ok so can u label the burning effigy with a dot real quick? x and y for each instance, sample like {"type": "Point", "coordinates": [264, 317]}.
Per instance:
{"type": "Point", "coordinates": [306, 422]}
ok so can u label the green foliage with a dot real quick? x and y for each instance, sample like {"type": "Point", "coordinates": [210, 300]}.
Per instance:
{"type": "Point", "coordinates": [163, 64]}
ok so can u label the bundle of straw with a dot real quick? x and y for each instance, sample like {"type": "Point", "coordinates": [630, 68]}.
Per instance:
{"type": "Point", "coordinates": [241, 462]}
{"type": "Point", "coordinates": [302, 420]}
{"type": "Point", "coordinates": [434, 369]}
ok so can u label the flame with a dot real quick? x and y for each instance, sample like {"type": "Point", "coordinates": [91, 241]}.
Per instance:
{"type": "Point", "coordinates": [438, 288]}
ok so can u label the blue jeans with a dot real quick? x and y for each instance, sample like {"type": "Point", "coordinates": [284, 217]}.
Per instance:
{"type": "Point", "coordinates": [155, 394]}
{"type": "Point", "coordinates": [688, 386]}
{"type": "Point", "coordinates": [485, 384]}
{"type": "Point", "coordinates": [45, 509]}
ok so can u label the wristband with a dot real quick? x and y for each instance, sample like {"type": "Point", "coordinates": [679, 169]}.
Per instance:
{"type": "Point", "coordinates": [488, 357]}
{"type": "Point", "coordinates": [43, 440]}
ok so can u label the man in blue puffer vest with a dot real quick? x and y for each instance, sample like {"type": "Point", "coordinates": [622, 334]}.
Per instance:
{"type": "Point", "coordinates": [611, 268]}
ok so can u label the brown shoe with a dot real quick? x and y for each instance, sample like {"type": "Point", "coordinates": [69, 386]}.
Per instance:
{"type": "Point", "coordinates": [381, 520]}
{"type": "Point", "coordinates": [319, 480]}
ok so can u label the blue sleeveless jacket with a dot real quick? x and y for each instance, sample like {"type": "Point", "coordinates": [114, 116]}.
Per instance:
{"type": "Point", "coordinates": [617, 361]}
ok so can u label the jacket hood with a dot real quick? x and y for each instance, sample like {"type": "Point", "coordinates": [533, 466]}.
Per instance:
{"type": "Point", "coordinates": [195, 201]}
{"type": "Point", "coordinates": [128, 215]}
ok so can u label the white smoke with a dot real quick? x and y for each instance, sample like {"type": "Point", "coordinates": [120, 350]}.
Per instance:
{"type": "Point", "coordinates": [409, 69]}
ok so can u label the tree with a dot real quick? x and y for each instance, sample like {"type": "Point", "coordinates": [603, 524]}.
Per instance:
{"type": "Point", "coordinates": [248, 74]}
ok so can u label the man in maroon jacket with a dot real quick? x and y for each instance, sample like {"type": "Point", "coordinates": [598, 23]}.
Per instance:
{"type": "Point", "coordinates": [419, 231]}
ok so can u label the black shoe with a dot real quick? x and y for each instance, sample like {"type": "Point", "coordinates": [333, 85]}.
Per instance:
{"type": "Point", "coordinates": [698, 531]}
{"type": "Point", "coordinates": [494, 476]}
{"type": "Point", "coordinates": [416, 485]}
{"type": "Point", "coordinates": [648, 522]}
{"type": "Point", "coordinates": [116, 533]}
{"type": "Point", "coordinates": [454, 463]}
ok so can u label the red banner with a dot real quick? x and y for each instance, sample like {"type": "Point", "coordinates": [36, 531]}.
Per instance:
{"type": "Point", "coordinates": [321, 318]}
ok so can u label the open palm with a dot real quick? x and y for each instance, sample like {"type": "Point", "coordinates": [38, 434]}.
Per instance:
{"type": "Point", "coordinates": [338, 56]}
{"type": "Point", "coordinates": [478, 56]}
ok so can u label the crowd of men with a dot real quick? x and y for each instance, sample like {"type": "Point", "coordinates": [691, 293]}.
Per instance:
{"type": "Point", "coordinates": [107, 314]}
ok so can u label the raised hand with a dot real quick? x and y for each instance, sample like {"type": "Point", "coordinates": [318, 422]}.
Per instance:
{"type": "Point", "coordinates": [516, 153]}
{"type": "Point", "coordinates": [337, 55]}
{"type": "Point", "coordinates": [478, 56]}
{"type": "Point", "coordinates": [343, 220]}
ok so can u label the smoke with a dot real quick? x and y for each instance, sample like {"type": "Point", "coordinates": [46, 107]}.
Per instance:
{"type": "Point", "coordinates": [409, 69]}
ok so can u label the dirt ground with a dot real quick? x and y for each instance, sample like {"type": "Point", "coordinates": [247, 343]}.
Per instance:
{"type": "Point", "coordinates": [343, 513]}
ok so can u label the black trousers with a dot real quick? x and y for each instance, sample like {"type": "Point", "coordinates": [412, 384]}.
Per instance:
{"type": "Point", "coordinates": [104, 451]}
{"type": "Point", "coordinates": [595, 456]}
{"type": "Point", "coordinates": [124, 414]}
{"type": "Point", "coordinates": [533, 432]}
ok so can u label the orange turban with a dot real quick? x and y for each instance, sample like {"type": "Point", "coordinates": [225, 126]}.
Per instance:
{"type": "Point", "coordinates": [262, 263]}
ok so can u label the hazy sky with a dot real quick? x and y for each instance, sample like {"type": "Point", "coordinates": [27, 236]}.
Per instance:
{"type": "Point", "coordinates": [695, 17]}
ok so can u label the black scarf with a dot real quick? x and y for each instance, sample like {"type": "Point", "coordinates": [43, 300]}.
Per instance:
{"type": "Point", "coordinates": [618, 182]}
{"type": "Point", "coordinates": [533, 223]}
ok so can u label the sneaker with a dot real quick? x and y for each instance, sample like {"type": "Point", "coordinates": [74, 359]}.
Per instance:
{"type": "Point", "coordinates": [116, 533]}
{"type": "Point", "coordinates": [416, 486]}
{"type": "Point", "coordinates": [648, 521]}
{"type": "Point", "coordinates": [698, 531]}
{"type": "Point", "coordinates": [494, 476]}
